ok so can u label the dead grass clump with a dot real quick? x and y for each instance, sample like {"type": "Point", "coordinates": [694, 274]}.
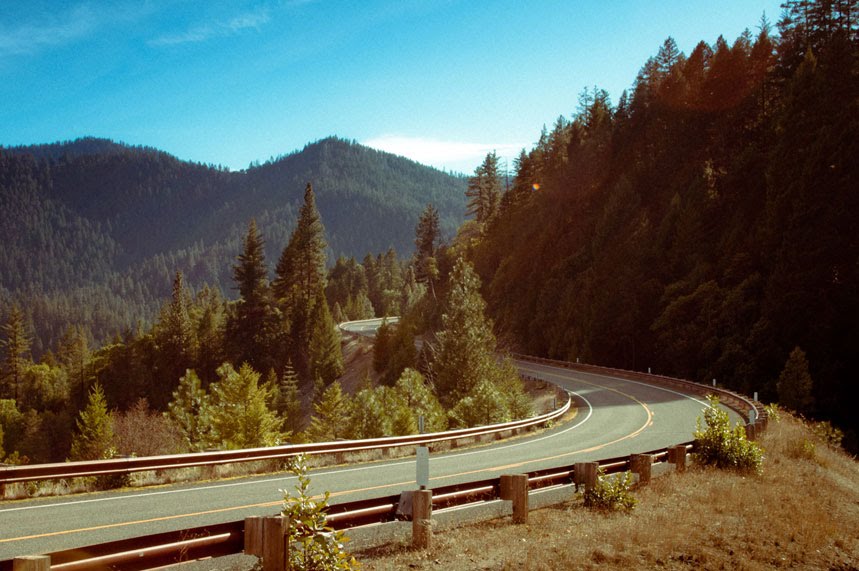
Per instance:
{"type": "Point", "coordinates": [802, 512]}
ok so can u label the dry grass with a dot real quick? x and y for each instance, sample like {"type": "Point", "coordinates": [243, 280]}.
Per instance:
{"type": "Point", "coordinates": [802, 513]}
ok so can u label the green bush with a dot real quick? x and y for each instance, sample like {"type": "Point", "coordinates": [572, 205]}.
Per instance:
{"type": "Point", "coordinates": [720, 446]}
{"type": "Point", "coordinates": [611, 493]}
{"type": "Point", "coordinates": [314, 546]}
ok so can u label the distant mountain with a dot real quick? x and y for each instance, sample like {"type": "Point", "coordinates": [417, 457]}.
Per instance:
{"type": "Point", "coordinates": [93, 230]}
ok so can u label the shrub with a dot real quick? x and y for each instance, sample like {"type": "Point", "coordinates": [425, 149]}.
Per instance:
{"type": "Point", "coordinates": [313, 545]}
{"type": "Point", "coordinates": [611, 493]}
{"type": "Point", "coordinates": [720, 446]}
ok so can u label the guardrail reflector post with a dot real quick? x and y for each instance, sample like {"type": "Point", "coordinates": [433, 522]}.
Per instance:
{"type": "Point", "coordinates": [677, 456]}
{"type": "Point", "coordinates": [641, 464]}
{"type": "Point", "coordinates": [275, 545]}
{"type": "Point", "coordinates": [514, 487]}
{"type": "Point", "coordinates": [422, 519]}
{"type": "Point", "coordinates": [32, 563]}
{"type": "Point", "coordinates": [585, 474]}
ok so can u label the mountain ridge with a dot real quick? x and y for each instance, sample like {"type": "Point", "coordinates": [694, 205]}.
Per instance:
{"type": "Point", "coordinates": [117, 221]}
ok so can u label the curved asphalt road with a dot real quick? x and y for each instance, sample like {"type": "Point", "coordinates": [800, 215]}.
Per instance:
{"type": "Point", "coordinates": [616, 417]}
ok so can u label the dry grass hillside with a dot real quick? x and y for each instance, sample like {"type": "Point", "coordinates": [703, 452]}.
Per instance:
{"type": "Point", "coordinates": [801, 513]}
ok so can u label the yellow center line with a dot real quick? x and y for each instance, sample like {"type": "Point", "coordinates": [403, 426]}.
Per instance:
{"type": "Point", "coordinates": [648, 422]}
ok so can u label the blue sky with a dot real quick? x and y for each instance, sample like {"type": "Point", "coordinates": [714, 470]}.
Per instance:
{"type": "Point", "coordinates": [442, 81]}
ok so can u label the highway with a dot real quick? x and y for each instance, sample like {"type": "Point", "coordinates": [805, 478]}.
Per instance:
{"type": "Point", "coordinates": [616, 417]}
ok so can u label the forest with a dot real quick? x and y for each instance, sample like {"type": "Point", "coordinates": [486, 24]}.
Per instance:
{"type": "Point", "coordinates": [94, 231]}
{"type": "Point", "coordinates": [703, 227]}
{"type": "Point", "coordinates": [263, 369]}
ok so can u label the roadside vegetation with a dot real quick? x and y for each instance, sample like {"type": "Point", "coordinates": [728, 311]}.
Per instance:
{"type": "Point", "coordinates": [800, 512]}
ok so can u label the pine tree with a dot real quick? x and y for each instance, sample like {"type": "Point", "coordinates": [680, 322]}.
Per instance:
{"type": "Point", "coordinates": [288, 403]}
{"type": "Point", "coordinates": [484, 190]}
{"type": "Point", "coordinates": [241, 417]}
{"type": "Point", "coordinates": [465, 351]}
{"type": "Point", "coordinates": [94, 429]}
{"type": "Point", "coordinates": [426, 241]}
{"type": "Point", "coordinates": [330, 415]}
{"type": "Point", "coordinates": [326, 358]}
{"type": "Point", "coordinates": [250, 329]}
{"type": "Point", "coordinates": [300, 276]}
{"type": "Point", "coordinates": [795, 386]}
{"type": "Point", "coordinates": [419, 400]}
{"type": "Point", "coordinates": [381, 347]}
{"type": "Point", "coordinates": [75, 356]}
{"type": "Point", "coordinates": [16, 345]}
{"type": "Point", "coordinates": [177, 343]}
{"type": "Point", "coordinates": [190, 411]}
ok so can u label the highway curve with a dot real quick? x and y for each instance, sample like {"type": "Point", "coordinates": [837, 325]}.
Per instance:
{"type": "Point", "coordinates": [616, 417]}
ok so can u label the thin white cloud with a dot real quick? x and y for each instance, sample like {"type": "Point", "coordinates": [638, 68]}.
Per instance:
{"type": "Point", "coordinates": [451, 155]}
{"type": "Point", "coordinates": [221, 29]}
{"type": "Point", "coordinates": [56, 30]}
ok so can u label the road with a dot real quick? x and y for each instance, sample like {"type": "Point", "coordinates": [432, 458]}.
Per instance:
{"type": "Point", "coordinates": [616, 417]}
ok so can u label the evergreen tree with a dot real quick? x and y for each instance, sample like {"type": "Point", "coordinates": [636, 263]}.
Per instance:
{"type": "Point", "coordinates": [330, 415]}
{"type": "Point", "coordinates": [241, 417]}
{"type": "Point", "coordinates": [76, 359]}
{"type": "Point", "coordinates": [484, 190]}
{"type": "Point", "coordinates": [16, 346]}
{"type": "Point", "coordinates": [418, 400]}
{"type": "Point", "coordinates": [191, 412]}
{"type": "Point", "coordinates": [381, 346]}
{"type": "Point", "coordinates": [326, 358]}
{"type": "Point", "coordinates": [795, 386]}
{"type": "Point", "coordinates": [288, 403]}
{"type": "Point", "coordinates": [465, 351]}
{"type": "Point", "coordinates": [210, 316]}
{"type": "Point", "coordinates": [368, 417]}
{"type": "Point", "coordinates": [177, 343]}
{"type": "Point", "coordinates": [427, 237]}
{"type": "Point", "coordinates": [300, 277]}
{"type": "Point", "coordinates": [94, 429]}
{"type": "Point", "coordinates": [250, 329]}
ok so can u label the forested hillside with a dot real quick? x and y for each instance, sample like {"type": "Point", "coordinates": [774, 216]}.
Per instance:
{"type": "Point", "coordinates": [94, 231]}
{"type": "Point", "coordinates": [704, 226]}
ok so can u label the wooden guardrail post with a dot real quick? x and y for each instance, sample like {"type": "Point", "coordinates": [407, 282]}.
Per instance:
{"type": "Point", "coordinates": [514, 487]}
{"type": "Point", "coordinates": [677, 456]}
{"type": "Point", "coordinates": [276, 547]}
{"type": "Point", "coordinates": [266, 537]}
{"type": "Point", "coordinates": [585, 474]}
{"type": "Point", "coordinates": [254, 535]}
{"type": "Point", "coordinates": [751, 431]}
{"type": "Point", "coordinates": [32, 563]}
{"type": "Point", "coordinates": [422, 519]}
{"type": "Point", "coordinates": [641, 464]}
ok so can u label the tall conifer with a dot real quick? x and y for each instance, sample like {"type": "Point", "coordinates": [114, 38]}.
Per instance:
{"type": "Point", "coordinates": [16, 345]}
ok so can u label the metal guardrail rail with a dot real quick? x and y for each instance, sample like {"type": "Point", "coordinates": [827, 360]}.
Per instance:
{"type": "Point", "coordinates": [10, 474]}
{"type": "Point", "coordinates": [158, 550]}
{"type": "Point", "coordinates": [740, 403]}
{"type": "Point", "coordinates": [151, 551]}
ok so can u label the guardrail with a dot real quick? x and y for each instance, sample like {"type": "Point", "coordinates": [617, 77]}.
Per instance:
{"type": "Point", "coordinates": [57, 471]}
{"type": "Point", "coordinates": [147, 552]}
{"type": "Point", "coordinates": [158, 550]}
{"type": "Point", "coordinates": [740, 403]}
